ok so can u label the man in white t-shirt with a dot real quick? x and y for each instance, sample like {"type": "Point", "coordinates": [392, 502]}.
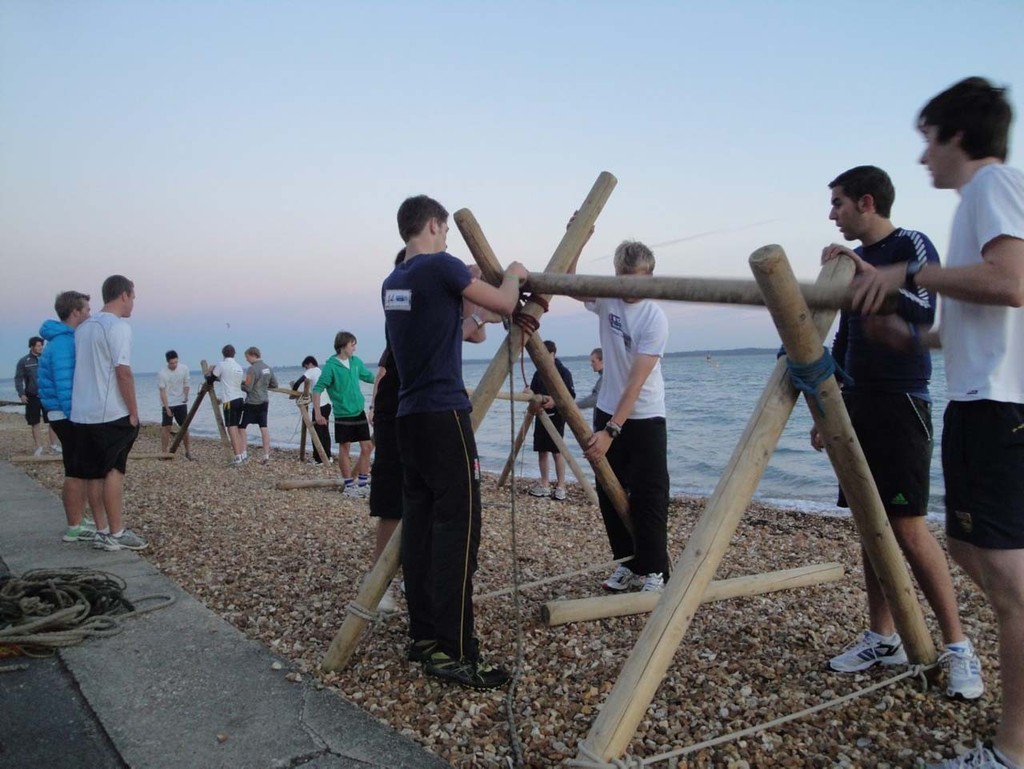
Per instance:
{"type": "Point", "coordinates": [173, 382]}
{"type": "Point", "coordinates": [311, 373]}
{"type": "Point", "coordinates": [230, 375]}
{"type": "Point", "coordinates": [104, 410]}
{"type": "Point", "coordinates": [966, 130]}
{"type": "Point", "coordinates": [629, 427]}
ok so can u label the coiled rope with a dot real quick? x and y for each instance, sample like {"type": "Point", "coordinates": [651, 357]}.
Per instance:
{"type": "Point", "coordinates": [45, 609]}
{"type": "Point", "coordinates": [808, 377]}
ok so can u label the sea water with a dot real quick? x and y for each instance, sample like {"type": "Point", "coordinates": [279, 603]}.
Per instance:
{"type": "Point", "coordinates": [709, 400]}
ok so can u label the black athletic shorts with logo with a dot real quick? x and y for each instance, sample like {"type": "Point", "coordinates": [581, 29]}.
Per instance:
{"type": "Point", "coordinates": [254, 414]}
{"type": "Point", "coordinates": [895, 432]}
{"type": "Point", "coordinates": [103, 447]}
{"type": "Point", "coordinates": [983, 466]}
{"type": "Point", "coordinates": [233, 412]}
{"type": "Point", "coordinates": [351, 429]}
{"type": "Point", "coordinates": [178, 414]}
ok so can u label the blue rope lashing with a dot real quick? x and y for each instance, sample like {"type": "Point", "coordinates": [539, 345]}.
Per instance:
{"type": "Point", "coordinates": [807, 377]}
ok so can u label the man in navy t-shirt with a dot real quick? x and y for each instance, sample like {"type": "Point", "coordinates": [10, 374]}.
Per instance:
{"type": "Point", "coordinates": [423, 300]}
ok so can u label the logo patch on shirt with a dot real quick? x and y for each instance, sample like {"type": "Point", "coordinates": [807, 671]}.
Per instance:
{"type": "Point", "coordinates": [476, 469]}
{"type": "Point", "coordinates": [398, 299]}
{"type": "Point", "coordinates": [615, 322]}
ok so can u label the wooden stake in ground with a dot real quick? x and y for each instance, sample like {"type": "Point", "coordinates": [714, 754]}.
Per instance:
{"type": "Point", "coordinates": [622, 712]}
{"type": "Point", "coordinates": [218, 414]}
{"type": "Point", "coordinates": [555, 613]}
{"type": "Point", "coordinates": [569, 458]}
{"type": "Point", "coordinates": [524, 430]}
{"type": "Point", "coordinates": [183, 429]}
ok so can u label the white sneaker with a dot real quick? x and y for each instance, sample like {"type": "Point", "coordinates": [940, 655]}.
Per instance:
{"type": "Point", "coordinates": [980, 757]}
{"type": "Point", "coordinates": [871, 649]}
{"type": "Point", "coordinates": [540, 490]}
{"type": "Point", "coordinates": [559, 493]}
{"type": "Point", "coordinates": [963, 673]}
{"type": "Point", "coordinates": [653, 583]}
{"type": "Point", "coordinates": [55, 448]}
{"type": "Point", "coordinates": [38, 452]}
{"type": "Point", "coordinates": [388, 604]}
{"type": "Point", "coordinates": [623, 579]}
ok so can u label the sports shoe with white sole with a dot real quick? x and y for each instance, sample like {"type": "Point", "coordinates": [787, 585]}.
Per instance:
{"type": "Point", "coordinates": [653, 583]}
{"type": "Point", "coordinates": [559, 493]}
{"type": "Point", "coordinates": [623, 579]}
{"type": "Point", "coordinates": [963, 672]}
{"type": "Point", "coordinates": [540, 490]}
{"type": "Point", "coordinates": [871, 649]}
{"type": "Point", "coordinates": [979, 757]}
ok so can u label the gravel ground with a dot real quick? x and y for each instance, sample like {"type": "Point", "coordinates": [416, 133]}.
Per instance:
{"type": "Point", "coordinates": [282, 565]}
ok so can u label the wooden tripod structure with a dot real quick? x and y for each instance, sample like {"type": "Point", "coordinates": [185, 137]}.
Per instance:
{"type": "Point", "coordinates": [801, 332]}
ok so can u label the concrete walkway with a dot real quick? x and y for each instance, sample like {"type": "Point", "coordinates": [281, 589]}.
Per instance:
{"type": "Point", "coordinates": [179, 688]}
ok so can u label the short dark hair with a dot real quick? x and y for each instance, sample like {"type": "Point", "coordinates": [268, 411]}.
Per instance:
{"type": "Point", "coordinates": [309, 360]}
{"type": "Point", "coordinates": [228, 351]}
{"type": "Point", "coordinates": [253, 351]}
{"type": "Point", "coordinates": [415, 212]}
{"type": "Point", "coordinates": [34, 340]}
{"type": "Point", "coordinates": [116, 285]}
{"type": "Point", "coordinates": [170, 355]}
{"type": "Point", "coordinates": [342, 338]}
{"type": "Point", "coordinates": [598, 353]}
{"type": "Point", "coordinates": [976, 109]}
{"type": "Point", "coordinates": [867, 180]}
{"type": "Point", "coordinates": [69, 301]}
{"type": "Point", "coordinates": [552, 348]}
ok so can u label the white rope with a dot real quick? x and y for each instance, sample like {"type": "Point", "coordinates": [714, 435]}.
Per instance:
{"type": "Point", "coordinates": [362, 612]}
{"type": "Point", "coordinates": [591, 761]}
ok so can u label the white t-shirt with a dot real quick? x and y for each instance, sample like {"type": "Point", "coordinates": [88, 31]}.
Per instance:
{"type": "Point", "coordinates": [174, 382]}
{"type": "Point", "coordinates": [629, 329]}
{"type": "Point", "coordinates": [983, 345]}
{"type": "Point", "coordinates": [231, 376]}
{"type": "Point", "coordinates": [102, 343]}
{"type": "Point", "coordinates": [312, 374]}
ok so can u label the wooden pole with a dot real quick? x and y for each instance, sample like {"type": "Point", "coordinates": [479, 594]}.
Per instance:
{"type": "Point", "coordinates": [304, 429]}
{"type": "Point", "coordinates": [310, 483]}
{"type": "Point", "coordinates": [524, 429]}
{"type": "Point", "coordinates": [492, 379]}
{"type": "Point", "coordinates": [30, 459]}
{"type": "Point", "coordinates": [803, 346]}
{"type": "Point", "coordinates": [708, 290]}
{"type": "Point", "coordinates": [183, 429]}
{"type": "Point", "coordinates": [317, 445]}
{"type": "Point", "coordinates": [554, 613]}
{"type": "Point", "coordinates": [565, 255]}
{"type": "Point", "coordinates": [218, 413]}
{"type": "Point", "coordinates": [569, 458]}
{"type": "Point", "coordinates": [622, 712]}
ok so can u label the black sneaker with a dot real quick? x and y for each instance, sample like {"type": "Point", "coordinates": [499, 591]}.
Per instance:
{"type": "Point", "coordinates": [420, 651]}
{"type": "Point", "coordinates": [475, 674]}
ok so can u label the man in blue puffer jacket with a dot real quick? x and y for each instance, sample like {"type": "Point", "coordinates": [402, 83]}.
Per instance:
{"type": "Point", "coordinates": [56, 375]}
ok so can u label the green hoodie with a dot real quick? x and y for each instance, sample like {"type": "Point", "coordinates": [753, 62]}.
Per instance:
{"type": "Point", "coordinates": [341, 383]}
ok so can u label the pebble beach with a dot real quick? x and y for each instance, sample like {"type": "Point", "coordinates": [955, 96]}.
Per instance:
{"type": "Point", "coordinates": [282, 566]}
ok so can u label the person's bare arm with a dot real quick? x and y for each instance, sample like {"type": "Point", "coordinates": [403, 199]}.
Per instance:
{"type": "Point", "coordinates": [126, 385]}
{"type": "Point", "coordinates": [642, 367]}
{"type": "Point", "coordinates": [503, 299]}
{"type": "Point", "coordinates": [998, 279]}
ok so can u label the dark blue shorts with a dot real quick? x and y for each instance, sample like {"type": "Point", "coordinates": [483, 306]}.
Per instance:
{"type": "Point", "coordinates": [255, 414]}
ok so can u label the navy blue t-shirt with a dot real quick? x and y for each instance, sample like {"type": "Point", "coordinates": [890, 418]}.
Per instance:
{"type": "Point", "coordinates": [874, 366]}
{"type": "Point", "coordinates": [422, 301]}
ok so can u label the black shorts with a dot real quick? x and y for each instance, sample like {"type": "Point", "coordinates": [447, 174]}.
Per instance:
{"type": "Point", "coordinates": [178, 414]}
{"type": "Point", "coordinates": [34, 411]}
{"type": "Point", "coordinates": [541, 440]}
{"type": "Point", "coordinates": [103, 447]}
{"type": "Point", "coordinates": [983, 465]}
{"type": "Point", "coordinates": [386, 489]}
{"type": "Point", "coordinates": [233, 412]}
{"type": "Point", "coordinates": [895, 432]}
{"type": "Point", "coordinates": [66, 432]}
{"type": "Point", "coordinates": [254, 414]}
{"type": "Point", "coordinates": [351, 429]}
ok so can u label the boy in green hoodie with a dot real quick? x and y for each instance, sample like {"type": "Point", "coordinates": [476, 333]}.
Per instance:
{"type": "Point", "coordinates": [340, 380]}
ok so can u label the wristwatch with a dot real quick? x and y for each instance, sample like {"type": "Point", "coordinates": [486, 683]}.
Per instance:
{"type": "Point", "coordinates": [613, 429]}
{"type": "Point", "coordinates": [913, 267]}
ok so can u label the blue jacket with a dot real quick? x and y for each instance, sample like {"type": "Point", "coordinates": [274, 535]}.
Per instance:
{"type": "Point", "coordinates": [57, 366]}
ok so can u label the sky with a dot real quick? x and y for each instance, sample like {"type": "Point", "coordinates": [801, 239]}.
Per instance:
{"type": "Point", "coordinates": [242, 162]}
